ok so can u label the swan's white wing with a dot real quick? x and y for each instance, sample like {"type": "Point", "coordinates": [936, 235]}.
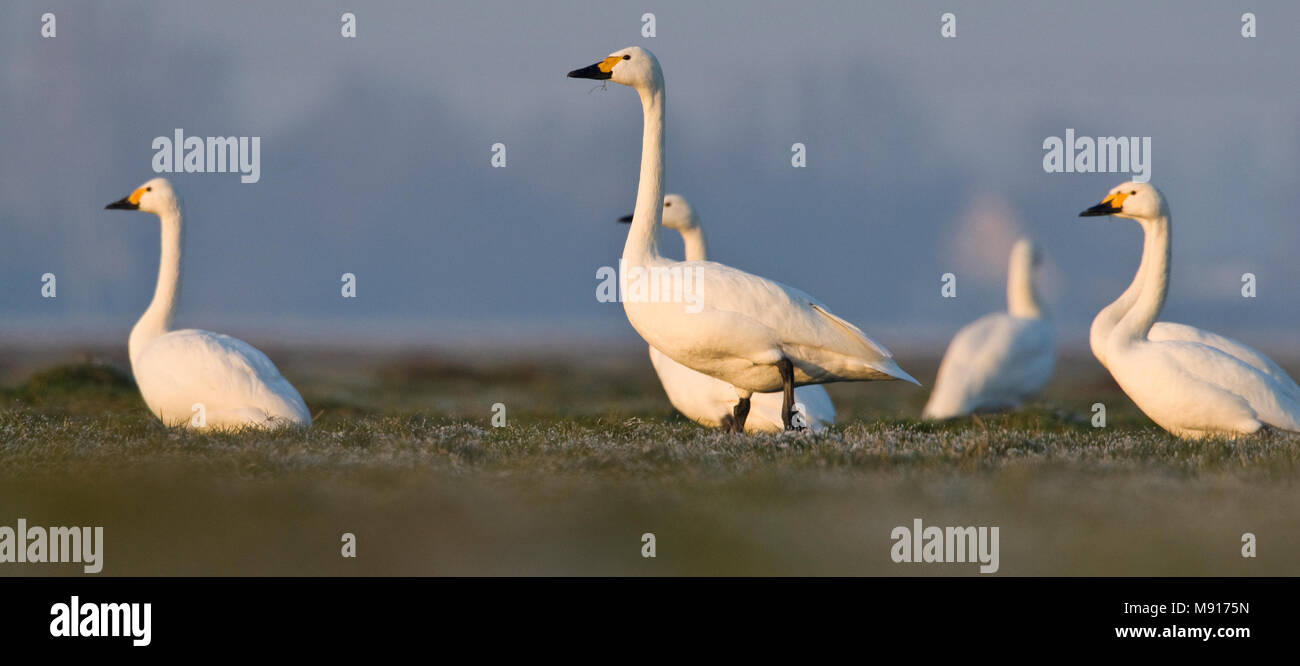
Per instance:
{"type": "Point", "coordinates": [994, 362]}
{"type": "Point", "coordinates": [1230, 375]}
{"type": "Point", "coordinates": [709, 401]}
{"type": "Point", "coordinates": [743, 324]}
{"type": "Point", "coordinates": [884, 363]}
{"type": "Point", "coordinates": [233, 380]}
{"type": "Point", "coordinates": [1163, 331]}
{"type": "Point", "coordinates": [1194, 390]}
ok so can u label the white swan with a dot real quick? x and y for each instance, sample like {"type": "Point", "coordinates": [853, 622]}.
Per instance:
{"type": "Point", "coordinates": [191, 377]}
{"type": "Point", "coordinates": [1190, 389]}
{"type": "Point", "coordinates": [1000, 359]}
{"type": "Point", "coordinates": [755, 334]}
{"type": "Point", "coordinates": [707, 400]}
{"type": "Point", "coordinates": [1164, 331]}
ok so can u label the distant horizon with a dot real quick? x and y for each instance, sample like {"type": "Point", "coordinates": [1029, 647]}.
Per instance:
{"type": "Point", "coordinates": [507, 337]}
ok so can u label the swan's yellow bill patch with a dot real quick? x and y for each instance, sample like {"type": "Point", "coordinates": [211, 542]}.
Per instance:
{"type": "Point", "coordinates": [135, 197]}
{"type": "Point", "coordinates": [1116, 200]}
{"type": "Point", "coordinates": [607, 65]}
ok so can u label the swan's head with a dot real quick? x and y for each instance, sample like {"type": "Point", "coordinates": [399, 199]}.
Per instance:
{"type": "Point", "coordinates": [677, 214]}
{"type": "Point", "coordinates": [155, 196]}
{"type": "Point", "coordinates": [632, 66]}
{"type": "Point", "coordinates": [1136, 201]}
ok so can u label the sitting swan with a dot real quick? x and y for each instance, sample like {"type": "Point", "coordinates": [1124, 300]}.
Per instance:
{"type": "Point", "coordinates": [758, 335]}
{"type": "Point", "coordinates": [1190, 389]}
{"type": "Point", "coordinates": [1002, 358]}
{"type": "Point", "coordinates": [1163, 331]}
{"type": "Point", "coordinates": [191, 377]}
{"type": "Point", "coordinates": [706, 400]}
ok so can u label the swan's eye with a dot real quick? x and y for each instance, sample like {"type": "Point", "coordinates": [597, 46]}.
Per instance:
{"type": "Point", "coordinates": [668, 204]}
{"type": "Point", "coordinates": [149, 189]}
{"type": "Point", "coordinates": [1133, 192]}
{"type": "Point", "coordinates": [627, 57]}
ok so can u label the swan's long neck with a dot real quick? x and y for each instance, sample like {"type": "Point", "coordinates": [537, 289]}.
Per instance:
{"type": "Point", "coordinates": [696, 248]}
{"type": "Point", "coordinates": [1109, 317]}
{"type": "Point", "coordinates": [641, 247]}
{"type": "Point", "coordinates": [157, 319]}
{"type": "Point", "coordinates": [1154, 272]}
{"type": "Point", "coordinates": [1022, 299]}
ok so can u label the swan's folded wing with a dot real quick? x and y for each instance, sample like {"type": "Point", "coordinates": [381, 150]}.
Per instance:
{"type": "Point", "coordinates": [221, 371]}
{"type": "Point", "coordinates": [1164, 331]}
{"type": "Point", "coordinates": [1030, 359]}
{"type": "Point", "coordinates": [995, 361]}
{"type": "Point", "coordinates": [797, 319]}
{"type": "Point", "coordinates": [1231, 375]}
{"type": "Point", "coordinates": [872, 354]}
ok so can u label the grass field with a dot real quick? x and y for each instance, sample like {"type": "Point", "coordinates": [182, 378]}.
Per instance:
{"type": "Point", "coordinates": [403, 455]}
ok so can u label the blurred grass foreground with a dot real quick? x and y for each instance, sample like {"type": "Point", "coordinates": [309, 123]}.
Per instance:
{"type": "Point", "coordinates": [403, 455]}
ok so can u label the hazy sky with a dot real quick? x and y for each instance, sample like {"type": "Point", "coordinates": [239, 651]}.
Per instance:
{"type": "Point", "coordinates": [924, 157]}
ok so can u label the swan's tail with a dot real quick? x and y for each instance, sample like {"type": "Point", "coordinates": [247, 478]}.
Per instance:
{"type": "Point", "coordinates": [889, 367]}
{"type": "Point", "coordinates": [874, 355]}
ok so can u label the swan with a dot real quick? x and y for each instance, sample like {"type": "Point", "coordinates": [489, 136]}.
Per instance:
{"type": "Point", "coordinates": [758, 335]}
{"type": "Point", "coordinates": [1164, 331]}
{"type": "Point", "coordinates": [706, 400]}
{"type": "Point", "coordinates": [1191, 389]}
{"type": "Point", "coordinates": [177, 371]}
{"type": "Point", "coordinates": [1000, 359]}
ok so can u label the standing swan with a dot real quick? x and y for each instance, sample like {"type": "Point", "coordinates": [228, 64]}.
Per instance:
{"type": "Point", "coordinates": [1000, 359]}
{"type": "Point", "coordinates": [1188, 388]}
{"type": "Point", "coordinates": [706, 400]}
{"type": "Point", "coordinates": [758, 335]}
{"type": "Point", "coordinates": [182, 374]}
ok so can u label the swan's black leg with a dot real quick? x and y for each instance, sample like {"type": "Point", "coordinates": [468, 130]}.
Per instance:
{"type": "Point", "coordinates": [787, 380]}
{"type": "Point", "coordinates": [739, 414]}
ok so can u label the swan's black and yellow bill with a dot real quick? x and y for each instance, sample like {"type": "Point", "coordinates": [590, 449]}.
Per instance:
{"type": "Point", "coordinates": [599, 71]}
{"type": "Point", "coordinates": [131, 202]}
{"type": "Point", "coordinates": [1108, 206]}
{"type": "Point", "coordinates": [626, 219]}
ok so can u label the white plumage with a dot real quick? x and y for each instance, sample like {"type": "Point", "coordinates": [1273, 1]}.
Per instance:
{"type": "Point", "coordinates": [1189, 388]}
{"type": "Point", "coordinates": [1163, 331]}
{"type": "Point", "coordinates": [237, 384]}
{"type": "Point", "coordinates": [755, 334]}
{"type": "Point", "coordinates": [199, 378]}
{"type": "Point", "coordinates": [1000, 359]}
{"type": "Point", "coordinates": [707, 400]}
